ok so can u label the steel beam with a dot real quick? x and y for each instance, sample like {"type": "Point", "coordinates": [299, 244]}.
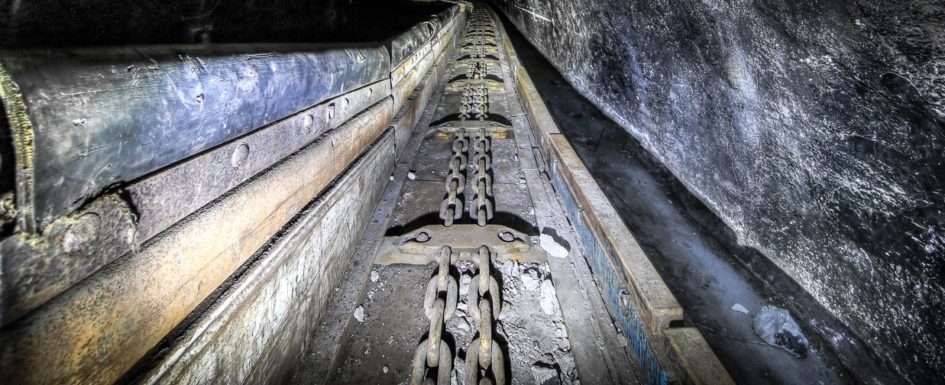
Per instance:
{"type": "Point", "coordinates": [288, 287]}
{"type": "Point", "coordinates": [169, 196]}
{"type": "Point", "coordinates": [86, 119]}
{"type": "Point", "coordinates": [94, 332]}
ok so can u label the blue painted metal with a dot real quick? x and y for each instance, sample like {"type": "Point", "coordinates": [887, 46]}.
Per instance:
{"type": "Point", "coordinates": [613, 285]}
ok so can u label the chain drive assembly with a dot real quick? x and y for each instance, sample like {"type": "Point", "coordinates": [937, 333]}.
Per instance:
{"type": "Point", "coordinates": [485, 360]}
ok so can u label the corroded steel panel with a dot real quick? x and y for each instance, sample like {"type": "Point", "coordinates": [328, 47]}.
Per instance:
{"type": "Point", "coordinates": [94, 332]}
{"type": "Point", "coordinates": [98, 117]}
{"type": "Point", "coordinates": [289, 287]}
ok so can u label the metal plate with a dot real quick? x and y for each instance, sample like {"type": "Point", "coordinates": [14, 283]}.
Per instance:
{"type": "Point", "coordinates": [103, 116]}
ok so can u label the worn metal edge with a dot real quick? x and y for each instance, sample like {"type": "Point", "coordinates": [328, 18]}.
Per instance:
{"type": "Point", "coordinates": [419, 64]}
{"type": "Point", "coordinates": [72, 166]}
{"type": "Point", "coordinates": [167, 197]}
{"type": "Point", "coordinates": [694, 356]}
{"type": "Point", "coordinates": [97, 330]}
{"type": "Point", "coordinates": [407, 119]}
{"type": "Point", "coordinates": [36, 268]}
{"type": "Point", "coordinates": [657, 304]}
{"type": "Point", "coordinates": [301, 268]}
{"type": "Point", "coordinates": [420, 34]}
{"type": "Point", "coordinates": [401, 67]}
{"type": "Point", "coordinates": [600, 355]}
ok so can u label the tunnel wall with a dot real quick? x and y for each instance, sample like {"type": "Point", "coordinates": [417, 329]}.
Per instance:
{"type": "Point", "coordinates": [814, 129]}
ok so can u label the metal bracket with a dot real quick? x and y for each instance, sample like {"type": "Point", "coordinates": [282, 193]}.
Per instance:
{"type": "Point", "coordinates": [419, 247]}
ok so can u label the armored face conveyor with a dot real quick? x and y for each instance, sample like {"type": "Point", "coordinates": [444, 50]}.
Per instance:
{"type": "Point", "coordinates": [269, 213]}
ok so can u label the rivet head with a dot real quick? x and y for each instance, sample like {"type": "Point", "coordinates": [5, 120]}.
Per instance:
{"type": "Point", "coordinates": [80, 233]}
{"type": "Point", "coordinates": [307, 121]}
{"type": "Point", "coordinates": [331, 111]}
{"type": "Point", "coordinates": [240, 154]}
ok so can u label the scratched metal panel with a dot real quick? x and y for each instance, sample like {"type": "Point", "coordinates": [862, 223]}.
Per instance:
{"type": "Point", "coordinates": [406, 43]}
{"type": "Point", "coordinates": [167, 197]}
{"type": "Point", "coordinates": [288, 289]}
{"type": "Point", "coordinates": [103, 116]}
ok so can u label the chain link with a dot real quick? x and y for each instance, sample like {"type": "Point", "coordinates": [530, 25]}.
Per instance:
{"type": "Point", "coordinates": [452, 207]}
{"type": "Point", "coordinates": [485, 360]}
{"type": "Point", "coordinates": [485, 304]}
{"type": "Point", "coordinates": [482, 208]}
{"type": "Point", "coordinates": [439, 305]}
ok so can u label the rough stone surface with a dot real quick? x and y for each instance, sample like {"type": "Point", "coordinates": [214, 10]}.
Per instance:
{"type": "Point", "coordinates": [814, 129]}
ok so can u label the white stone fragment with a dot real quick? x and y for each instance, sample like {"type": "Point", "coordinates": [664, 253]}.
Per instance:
{"type": "Point", "coordinates": [531, 280]}
{"type": "Point", "coordinates": [359, 313]}
{"type": "Point", "coordinates": [552, 247]}
{"type": "Point", "coordinates": [739, 308]}
{"type": "Point", "coordinates": [549, 300]}
{"type": "Point", "coordinates": [375, 276]}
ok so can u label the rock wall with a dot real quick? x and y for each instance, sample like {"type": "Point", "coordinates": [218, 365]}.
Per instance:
{"type": "Point", "coordinates": [815, 129]}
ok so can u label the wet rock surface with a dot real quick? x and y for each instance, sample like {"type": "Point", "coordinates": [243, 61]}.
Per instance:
{"type": "Point", "coordinates": [813, 129]}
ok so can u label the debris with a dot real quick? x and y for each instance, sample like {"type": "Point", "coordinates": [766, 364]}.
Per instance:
{"type": "Point", "coordinates": [385, 369]}
{"type": "Point", "coordinates": [739, 308]}
{"type": "Point", "coordinates": [375, 276]}
{"type": "Point", "coordinates": [359, 313]}
{"type": "Point", "coordinates": [461, 324]}
{"type": "Point", "coordinates": [776, 327]}
{"type": "Point", "coordinates": [531, 279]}
{"type": "Point", "coordinates": [411, 175]}
{"type": "Point", "coordinates": [549, 300]}
{"type": "Point", "coordinates": [552, 246]}
{"type": "Point", "coordinates": [464, 281]}
{"type": "Point", "coordinates": [545, 374]}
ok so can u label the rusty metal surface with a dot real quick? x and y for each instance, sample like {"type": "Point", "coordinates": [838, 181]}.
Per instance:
{"type": "Point", "coordinates": [404, 45]}
{"type": "Point", "coordinates": [95, 331]}
{"type": "Point", "coordinates": [98, 329]}
{"type": "Point", "coordinates": [299, 271]}
{"type": "Point", "coordinates": [36, 268]}
{"type": "Point", "coordinates": [87, 109]}
{"type": "Point", "coordinates": [419, 246]}
{"type": "Point", "coordinates": [169, 196]}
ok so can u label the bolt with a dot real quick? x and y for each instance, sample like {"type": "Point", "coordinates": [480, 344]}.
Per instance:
{"type": "Point", "coordinates": [80, 233]}
{"type": "Point", "coordinates": [307, 122]}
{"type": "Point", "coordinates": [422, 237]}
{"type": "Point", "coordinates": [331, 111]}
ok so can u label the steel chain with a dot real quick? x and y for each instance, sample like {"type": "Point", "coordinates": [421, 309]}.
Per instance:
{"type": "Point", "coordinates": [485, 360]}
{"type": "Point", "coordinates": [439, 305]}
{"type": "Point", "coordinates": [482, 208]}
{"type": "Point", "coordinates": [485, 303]}
{"type": "Point", "coordinates": [452, 207]}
